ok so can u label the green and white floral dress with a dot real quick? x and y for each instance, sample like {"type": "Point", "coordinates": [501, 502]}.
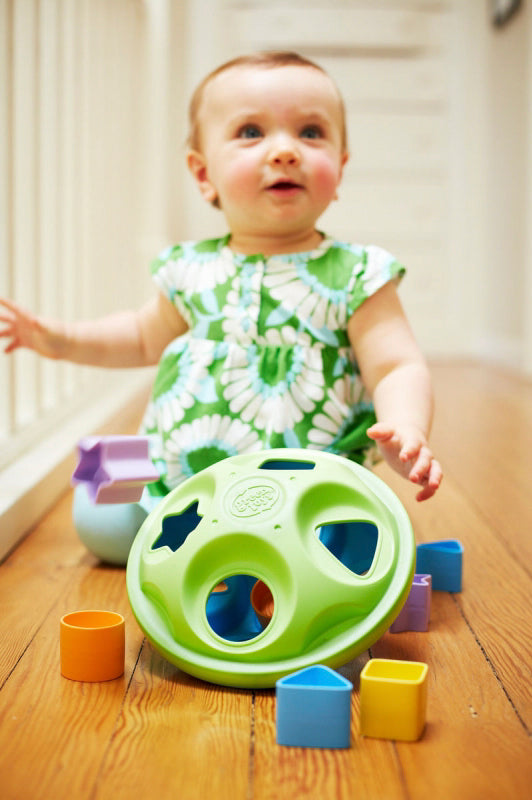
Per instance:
{"type": "Point", "coordinates": [266, 361]}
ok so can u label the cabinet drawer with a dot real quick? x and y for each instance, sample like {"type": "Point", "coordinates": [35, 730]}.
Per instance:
{"type": "Point", "coordinates": [327, 28]}
{"type": "Point", "coordinates": [387, 81]}
{"type": "Point", "coordinates": [412, 142]}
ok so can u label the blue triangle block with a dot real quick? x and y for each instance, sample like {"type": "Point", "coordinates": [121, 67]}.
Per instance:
{"type": "Point", "coordinates": [316, 677]}
{"type": "Point", "coordinates": [314, 708]}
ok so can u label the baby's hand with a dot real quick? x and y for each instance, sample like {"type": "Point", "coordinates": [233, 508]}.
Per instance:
{"type": "Point", "coordinates": [406, 450]}
{"type": "Point", "coordinates": [26, 330]}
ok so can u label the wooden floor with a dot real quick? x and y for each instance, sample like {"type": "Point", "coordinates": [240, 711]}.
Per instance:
{"type": "Point", "coordinates": [157, 733]}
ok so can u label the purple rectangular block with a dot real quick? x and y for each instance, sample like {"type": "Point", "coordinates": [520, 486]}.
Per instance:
{"type": "Point", "coordinates": [415, 614]}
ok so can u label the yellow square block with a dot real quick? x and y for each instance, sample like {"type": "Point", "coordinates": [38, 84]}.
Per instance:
{"type": "Point", "coordinates": [393, 699]}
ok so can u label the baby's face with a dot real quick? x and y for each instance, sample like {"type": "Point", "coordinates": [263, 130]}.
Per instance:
{"type": "Point", "coordinates": [271, 149]}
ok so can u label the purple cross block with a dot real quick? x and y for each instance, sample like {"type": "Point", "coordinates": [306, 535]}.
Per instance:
{"type": "Point", "coordinates": [415, 614]}
{"type": "Point", "coordinates": [114, 469]}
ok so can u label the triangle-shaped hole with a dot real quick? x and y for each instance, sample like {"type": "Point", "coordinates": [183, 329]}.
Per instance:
{"type": "Point", "coordinates": [353, 542]}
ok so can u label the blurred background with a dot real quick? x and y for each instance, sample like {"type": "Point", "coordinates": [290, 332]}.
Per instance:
{"type": "Point", "coordinates": [93, 112]}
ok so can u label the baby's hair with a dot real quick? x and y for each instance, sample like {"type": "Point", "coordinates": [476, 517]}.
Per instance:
{"type": "Point", "coordinates": [266, 59]}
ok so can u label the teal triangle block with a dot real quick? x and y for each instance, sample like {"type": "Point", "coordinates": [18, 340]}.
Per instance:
{"type": "Point", "coordinates": [316, 677]}
{"type": "Point", "coordinates": [444, 546]}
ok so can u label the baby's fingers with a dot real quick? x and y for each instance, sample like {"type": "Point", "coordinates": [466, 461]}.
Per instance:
{"type": "Point", "coordinates": [380, 432]}
{"type": "Point", "coordinates": [432, 481]}
{"type": "Point", "coordinates": [12, 346]}
{"type": "Point", "coordinates": [10, 305]}
{"type": "Point", "coordinates": [8, 333]}
{"type": "Point", "coordinates": [414, 448]}
{"type": "Point", "coordinates": [422, 465]}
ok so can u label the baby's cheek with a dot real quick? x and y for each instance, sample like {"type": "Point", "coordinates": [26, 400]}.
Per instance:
{"type": "Point", "coordinates": [241, 178]}
{"type": "Point", "coordinates": [327, 176]}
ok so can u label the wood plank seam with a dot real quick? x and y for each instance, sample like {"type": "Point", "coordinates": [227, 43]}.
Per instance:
{"type": "Point", "coordinates": [490, 664]}
{"type": "Point", "coordinates": [94, 793]}
{"type": "Point", "coordinates": [399, 766]}
{"type": "Point", "coordinates": [251, 766]}
{"type": "Point", "coordinates": [46, 614]}
{"type": "Point", "coordinates": [490, 523]}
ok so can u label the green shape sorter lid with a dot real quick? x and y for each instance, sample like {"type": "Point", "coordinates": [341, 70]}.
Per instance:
{"type": "Point", "coordinates": [331, 541]}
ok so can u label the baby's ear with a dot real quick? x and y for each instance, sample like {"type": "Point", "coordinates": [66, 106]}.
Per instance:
{"type": "Point", "coordinates": [198, 167]}
{"type": "Point", "coordinates": [343, 161]}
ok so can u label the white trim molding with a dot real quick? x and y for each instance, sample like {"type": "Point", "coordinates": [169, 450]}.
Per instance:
{"type": "Point", "coordinates": [31, 484]}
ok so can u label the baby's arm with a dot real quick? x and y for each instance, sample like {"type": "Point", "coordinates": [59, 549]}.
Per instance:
{"type": "Point", "coordinates": [397, 377]}
{"type": "Point", "coordinates": [124, 339]}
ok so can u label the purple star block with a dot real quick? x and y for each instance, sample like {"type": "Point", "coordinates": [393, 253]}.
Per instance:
{"type": "Point", "coordinates": [415, 614]}
{"type": "Point", "coordinates": [114, 469]}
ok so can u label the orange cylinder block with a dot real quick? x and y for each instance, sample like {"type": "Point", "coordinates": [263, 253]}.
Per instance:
{"type": "Point", "coordinates": [92, 645]}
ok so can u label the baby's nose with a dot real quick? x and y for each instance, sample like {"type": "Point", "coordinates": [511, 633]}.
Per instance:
{"type": "Point", "coordinates": [284, 151]}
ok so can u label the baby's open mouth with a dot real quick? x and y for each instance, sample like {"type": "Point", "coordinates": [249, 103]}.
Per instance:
{"type": "Point", "coordinates": [285, 185]}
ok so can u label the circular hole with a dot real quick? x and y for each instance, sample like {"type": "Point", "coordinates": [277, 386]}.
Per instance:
{"type": "Point", "coordinates": [229, 609]}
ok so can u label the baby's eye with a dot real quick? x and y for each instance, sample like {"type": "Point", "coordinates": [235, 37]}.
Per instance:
{"type": "Point", "coordinates": [311, 132]}
{"type": "Point", "coordinates": [249, 131]}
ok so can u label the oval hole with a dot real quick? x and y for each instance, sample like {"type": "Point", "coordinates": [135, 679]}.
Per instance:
{"type": "Point", "coordinates": [354, 543]}
{"type": "Point", "coordinates": [280, 464]}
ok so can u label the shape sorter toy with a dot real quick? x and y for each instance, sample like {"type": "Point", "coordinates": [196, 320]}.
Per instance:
{"type": "Point", "coordinates": [314, 708]}
{"type": "Point", "coordinates": [329, 539]}
{"type": "Point", "coordinates": [393, 699]}
{"type": "Point", "coordinates": [442, 560]}
{"type": "Point", "coordinates": [415, 614]}
{"type": "Point", "coordinates": [114, 469]}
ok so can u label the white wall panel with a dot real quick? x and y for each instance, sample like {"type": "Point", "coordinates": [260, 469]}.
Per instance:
{"type": "Point", "coordinates": [7, 405]}
{"type": "Point", "coordinates": [383, 210]}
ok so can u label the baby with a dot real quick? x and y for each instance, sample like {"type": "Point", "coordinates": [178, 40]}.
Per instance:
{"type": "Point", "coordinates": [275, 335]}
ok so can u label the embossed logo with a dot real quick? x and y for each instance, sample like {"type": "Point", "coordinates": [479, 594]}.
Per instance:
{"type": "Point", "coordinates": [254, 500]}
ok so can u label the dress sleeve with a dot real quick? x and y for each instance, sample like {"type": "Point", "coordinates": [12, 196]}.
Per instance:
{"type": "Point", "coordinates": [168, 271]}
{"type": "Point", "coordinates": [164, 270]}
{"type": "Point", "coordinates": [377, 268]}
